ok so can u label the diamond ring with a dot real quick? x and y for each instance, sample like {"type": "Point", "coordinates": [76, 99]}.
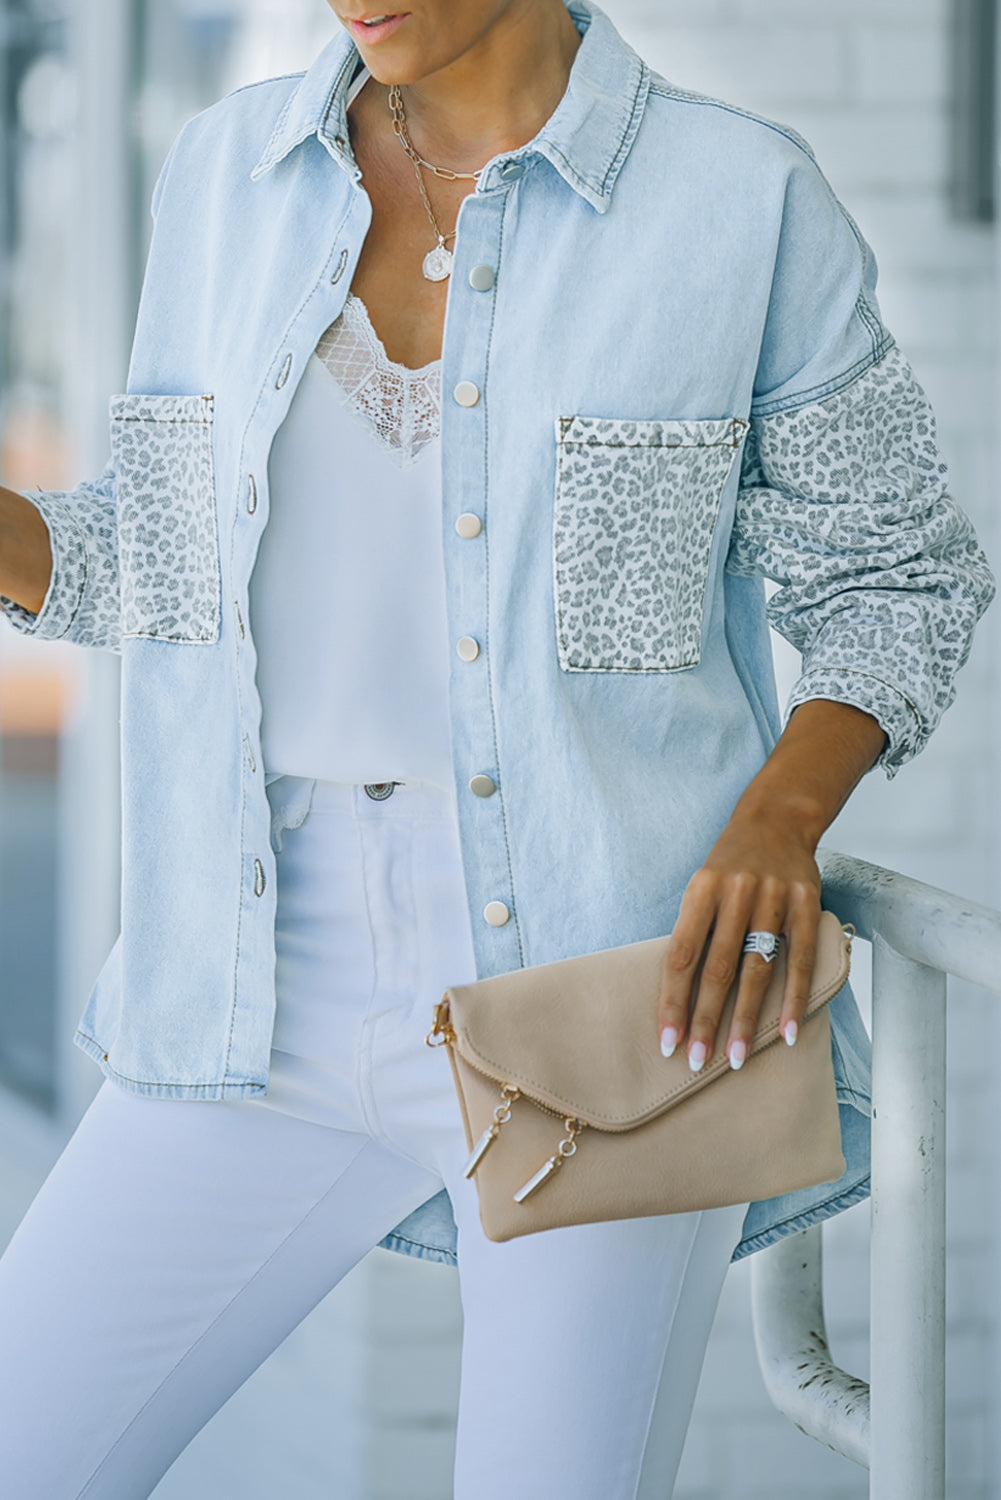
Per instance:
{"type": "Point", "coordinates": [765, 944]}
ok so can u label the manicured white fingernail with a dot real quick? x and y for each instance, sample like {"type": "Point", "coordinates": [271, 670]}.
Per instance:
{"type": "Point", "coordinates": [791, 1033]}
{"type": "Point", "coordinates": [668, 1040]}
{"type": "Point", "coordinates": [738, 1055]}
{"type": "Point", "coordinates": [697, 1056]}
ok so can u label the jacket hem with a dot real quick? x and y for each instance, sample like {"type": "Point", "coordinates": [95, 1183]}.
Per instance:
{"type": "Point", "coordinates": [846, 1198]}
{"type": "Point", "coordinates": [418, 1250]}
{"type": "Point", "coordinates": [227, 1089]}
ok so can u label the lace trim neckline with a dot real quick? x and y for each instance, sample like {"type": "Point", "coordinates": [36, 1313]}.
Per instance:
{"type": "Point", "coordinates": [356, 311]}
{"type": "Point", "coordinates": [401, 406]}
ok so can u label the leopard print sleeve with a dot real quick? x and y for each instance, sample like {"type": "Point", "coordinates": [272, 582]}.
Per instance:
{"type": "Point", "coordinates": [844, 504]}
{"type": "Point", "coordinates": [83, 601]}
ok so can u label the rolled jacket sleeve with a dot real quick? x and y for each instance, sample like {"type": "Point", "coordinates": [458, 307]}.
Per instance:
{"type": "Point", "coordinates": [83, 602]}
{"type": "Point", "coordinates": [844, 503]}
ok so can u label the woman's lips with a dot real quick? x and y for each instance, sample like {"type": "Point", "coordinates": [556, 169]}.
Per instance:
{"type": "Point", "coordinates": [385, 26]}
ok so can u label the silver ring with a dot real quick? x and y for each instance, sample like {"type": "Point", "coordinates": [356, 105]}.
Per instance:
{"type": "Point", "coordinates": [765, 944]}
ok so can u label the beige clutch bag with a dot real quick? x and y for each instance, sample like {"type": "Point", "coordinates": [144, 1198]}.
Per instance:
{"type": "Point", "coordinates": [573, 1116]}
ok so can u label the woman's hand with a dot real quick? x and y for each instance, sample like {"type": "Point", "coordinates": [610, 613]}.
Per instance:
{"type": "Point", "coordinates": [761, 876]}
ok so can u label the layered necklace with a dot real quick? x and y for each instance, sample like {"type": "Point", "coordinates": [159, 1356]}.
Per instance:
{"type": "Point", "coordinates": [437, 264]}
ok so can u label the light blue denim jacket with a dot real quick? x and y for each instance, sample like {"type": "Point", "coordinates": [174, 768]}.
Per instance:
{"type": "Point", "coordinates": [671, 382]}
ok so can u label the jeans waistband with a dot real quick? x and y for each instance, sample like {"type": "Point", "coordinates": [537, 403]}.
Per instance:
{"type": "Point", "coordinates": [293, 798]}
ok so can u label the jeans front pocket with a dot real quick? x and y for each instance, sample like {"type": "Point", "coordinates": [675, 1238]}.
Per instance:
{"type": "Point", "coordinates": [636, 509]}
{"type": "Point", "coordinates": [167, 534]}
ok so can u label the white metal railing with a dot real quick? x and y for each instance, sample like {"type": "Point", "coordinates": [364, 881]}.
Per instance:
{"type": "Point", "coordinates": [895, 1426]}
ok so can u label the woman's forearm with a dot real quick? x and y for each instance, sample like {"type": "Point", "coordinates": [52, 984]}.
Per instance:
{"type": "Point", "coordinates": [825, 750]}
{"type": "Point", "coordinates": [25, 554]}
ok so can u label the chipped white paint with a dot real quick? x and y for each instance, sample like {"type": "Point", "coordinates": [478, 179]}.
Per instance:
{"type": "Point", "coordinates": [919, 935]}
{"type": "Point", "coordinates": [790, 1333]}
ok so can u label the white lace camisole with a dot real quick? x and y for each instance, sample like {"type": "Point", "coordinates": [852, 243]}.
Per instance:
{"type": "Point", "coordinates": [348, 593]}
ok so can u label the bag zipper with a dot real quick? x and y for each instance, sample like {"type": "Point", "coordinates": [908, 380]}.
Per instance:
{"type": "Point", "coordinates": [442, 1033]}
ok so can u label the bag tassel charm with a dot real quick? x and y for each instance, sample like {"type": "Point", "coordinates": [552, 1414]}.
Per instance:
{"type": "Point", "coordinates": [566, 1149]}
{"type": "Point", "coordinates": [501, 1116]}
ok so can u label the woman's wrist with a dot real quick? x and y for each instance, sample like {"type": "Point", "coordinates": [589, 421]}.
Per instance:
{"type": "Point", "coordinates": [25, 551]}
{"type": "Point", "coordinates": [773, 803]}
{"type": "Point", "coordinates": [826, 749]}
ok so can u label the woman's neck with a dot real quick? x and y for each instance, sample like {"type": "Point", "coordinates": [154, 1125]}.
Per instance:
{"type": "Point", "coordinates": [500, 93]}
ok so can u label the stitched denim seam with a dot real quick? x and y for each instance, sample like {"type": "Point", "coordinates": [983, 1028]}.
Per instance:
{"type": "Point", "coordinates": [67, 515]}
{"type": "Point", "coordinates": [846, 1197]}
{"type": "Point", "coordinates": [209, 1083]}
{"type": "Point", "coordinates": [394, 1241]}
{"type": "Point", "coordinates": [628, 136]}
{"type": "Point", "coordinates": [858, 672]}
{"type": "Point", "coordinates": [632, 126]}
{"type": "Point", "coordinates": [486, 585]}
{"type": "Point", "coordinates": [349, 65]}
{"type": "Point", "coordinates": [826, 389]}
{"type": "Point", "coordinates": [665, 90]}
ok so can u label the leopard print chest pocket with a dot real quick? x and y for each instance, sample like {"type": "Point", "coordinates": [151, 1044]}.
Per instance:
{"type": "Point", "coordinates": [167, 532]}
{"type": "Point", "coordinates": [636, 509]}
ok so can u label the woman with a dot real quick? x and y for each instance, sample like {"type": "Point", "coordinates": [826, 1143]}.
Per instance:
{"type": "Point", "coordinates": [489, 687]}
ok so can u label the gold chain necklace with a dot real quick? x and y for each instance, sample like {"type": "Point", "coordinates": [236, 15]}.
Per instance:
{"type": "Point", "coordinates": [437, 264]}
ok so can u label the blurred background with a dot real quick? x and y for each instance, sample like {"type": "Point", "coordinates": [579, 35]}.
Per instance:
{"type": "Point", "coordinates": [898, 97]}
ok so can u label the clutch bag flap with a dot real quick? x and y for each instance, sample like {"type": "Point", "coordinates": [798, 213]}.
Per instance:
{"type": "Point", "coordinates": [579, 1036]}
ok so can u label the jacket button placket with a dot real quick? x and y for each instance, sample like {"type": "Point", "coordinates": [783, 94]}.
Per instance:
{"type": "Point", "coordinates": [252, 1026]}
{"type": "Point", "coordinates": [476, 280]}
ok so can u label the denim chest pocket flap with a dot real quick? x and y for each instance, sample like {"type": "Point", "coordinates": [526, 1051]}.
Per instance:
{"type": "Point", "coordinates": [167, 531]}
{"type": "Point", "coordinates": [636, 509]}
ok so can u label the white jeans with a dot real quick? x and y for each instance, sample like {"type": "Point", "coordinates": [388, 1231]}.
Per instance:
{"type": "Point", "coordinates": [174, 1245]}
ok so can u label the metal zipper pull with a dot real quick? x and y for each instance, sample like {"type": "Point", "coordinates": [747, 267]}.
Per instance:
{"type": "Point", "coordinates": [566, 1148]}
{"type": "Point", "coordinates": [501, 1116]}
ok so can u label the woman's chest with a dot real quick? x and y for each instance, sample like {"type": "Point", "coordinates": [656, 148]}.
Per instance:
{"type": "Point", "coordinates": [413, 213]}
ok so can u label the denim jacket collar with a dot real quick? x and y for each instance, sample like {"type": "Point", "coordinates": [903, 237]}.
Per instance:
{"type": "Point", "coordinates": [587, 139]}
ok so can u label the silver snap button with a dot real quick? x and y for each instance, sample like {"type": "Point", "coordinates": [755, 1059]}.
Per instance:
{"type": "Point", "coordinates": [467, 648]}
{"type": "Point", "coordinates": [496, 913]}
{"type": "Point", "coordinates": [339, 268]}
{"type": "Point", "coordinates": [483, 786]}
{"type": "Point", "coordinates": [466, 393]}
{"type": "Point", "coordinates": [284, 372]}
{"type": "Point", "coordinates": [251, 494]}
{"type": "Point", "coordinates": [481, 278]}
{"type": "Point", "coordinates": [468, 525]}
{"type": "Point", "coordinates": [260, 880]}
{"type": "Point", "coordinates": [511, 171]}
{"type": "Point", "coordinates": [380, 790]}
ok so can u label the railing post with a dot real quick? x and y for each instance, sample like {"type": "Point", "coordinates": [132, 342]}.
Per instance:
{"type": "Point", "coordinates": [908, 1230]}
{"type": "Point", "coordinates": [787, 1303]}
